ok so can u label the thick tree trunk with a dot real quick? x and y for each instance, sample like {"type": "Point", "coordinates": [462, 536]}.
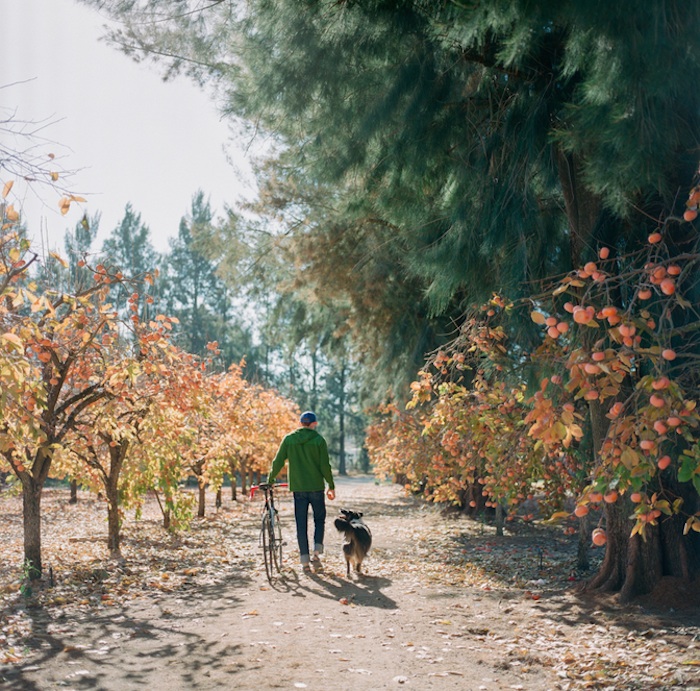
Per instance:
{"type": "Point", "coordinates": [583, 560]}
{"type": "Point", "coordinates": [117, 454]}
{"type": "Point", "coordinates": [232, 473]}
{"type": "Point", "coordinates": [113, 523]}
{"type": "Point", "coordinates": [500, 519]}
{"type": "Point", "coordinates": [244, 477]}
{"type": "Point", "coordinates": [31, 505]}
{"type": "Point", "coordinates": [73, 492]}
{"type": "Point", "coordinates": [583, 208]}
{"type": "Point", "coordinates": [202, 499]}
{"type": "Point", "coordinates": [472, 499]}
{"type": "Point", "coordinates": [611, 576]}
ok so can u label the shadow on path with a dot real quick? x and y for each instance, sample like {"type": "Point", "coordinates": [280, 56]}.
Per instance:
{"type": "Point", "coordinates": [366, 591]}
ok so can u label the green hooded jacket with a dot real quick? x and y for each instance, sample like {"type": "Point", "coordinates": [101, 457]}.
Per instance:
{"type": "Point", "coordinates": [309, 465]}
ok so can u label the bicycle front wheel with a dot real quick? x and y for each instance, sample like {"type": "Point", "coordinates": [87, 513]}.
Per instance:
{"type": "Point", "coordinates": [268, 546]}
{"type": "Point", "coordinates": [276, 541]}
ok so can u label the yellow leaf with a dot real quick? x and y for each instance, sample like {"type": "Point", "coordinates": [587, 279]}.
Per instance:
{"type": "Point", "coordinates": [688, 523]}
{"type": "Point", "coordinates": [629, 458]}
{"type": "Point", "coordinates": [14, 339]}
{"type": "Point", "coordinates": [537, 317]}
{"type": "Point", "coordinates": [576, 431]}
{"type": "Point", "coordinates": [11, 213]}
{"type": "Point", "coordinates": [75, 198]}
{"type": "Point", "coordinates": [64, 205]}
{"type": "Point", "coordinates": [54, 176]}
{"type": "Point", "coordinates": [6, 189]}
{"type": "Point", "coordinates": [558, 516]}
{"type": "Point", "coordinates": [59, 259]}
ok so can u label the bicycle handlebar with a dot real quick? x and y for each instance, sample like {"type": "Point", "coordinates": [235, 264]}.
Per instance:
{"type": "Point", "coordinates": [264, 486]}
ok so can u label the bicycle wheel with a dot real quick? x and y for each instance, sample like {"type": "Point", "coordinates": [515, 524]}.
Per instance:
{"type": "Point", "coordinates": [268, 546]}
{"type": "Point", "coordinates": [276, 541]}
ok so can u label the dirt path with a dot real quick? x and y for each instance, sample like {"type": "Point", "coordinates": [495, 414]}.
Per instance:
{"type": "Point", "coordinates": [413, 621]}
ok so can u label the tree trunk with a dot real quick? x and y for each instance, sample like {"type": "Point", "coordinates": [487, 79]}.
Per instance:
{"type": "Point", "coordinates": [31, 505]}
{"type": "Point", "coordinates": [611, 576]}
{"type": "Point", "coordinates": [583, 561]}
{"type": "Point", "coordinates": [500, 519]}
{"type": "Point", "coordinates": [244, 477]}
{"type": "Point", "coordinates": [314, 379]}
{"type": "Point", "coordinates": [219, 502]}
{"type": "Point", "coordinates": [583, 208]}
{"type": "Point", "coordinates": [232, 475]}
{"type": "Point", "coordinates": [342, 470]}
{"type": "Point", "coordinates": [73, 492]}
{"type": "Point", "coordinates": [166, 519]}
{"type": "Point", "coordinates": [202, 499]}
{"type": "Point", "coordinates": [117, 455]}
{"type": "Point", "coordinates": [113, 522]}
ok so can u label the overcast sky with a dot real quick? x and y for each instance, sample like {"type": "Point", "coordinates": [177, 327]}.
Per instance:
{"type": "Point", "coordinates": [130, 136]}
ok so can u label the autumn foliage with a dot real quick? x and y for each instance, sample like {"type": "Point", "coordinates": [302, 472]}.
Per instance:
{"type": "Point", "coordinates": [613, 420]}
{"type": "Point", "coordinates": [112, 403]}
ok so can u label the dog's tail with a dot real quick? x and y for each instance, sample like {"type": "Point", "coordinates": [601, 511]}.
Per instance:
{"type": "Point", "coordinates": [362, 535]}
{"type": "Point", "coordinates": [355, 530]}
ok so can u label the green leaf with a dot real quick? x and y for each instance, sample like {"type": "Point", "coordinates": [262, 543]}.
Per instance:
{"type": "Point", "coordinates": [686, 470]}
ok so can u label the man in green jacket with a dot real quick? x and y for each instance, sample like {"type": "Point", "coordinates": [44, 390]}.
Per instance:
{"type": "Point", "coordinates": [308, 471]}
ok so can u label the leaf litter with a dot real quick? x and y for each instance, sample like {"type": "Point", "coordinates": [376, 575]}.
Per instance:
{"type": "Point", "coordinates": [505, 601]}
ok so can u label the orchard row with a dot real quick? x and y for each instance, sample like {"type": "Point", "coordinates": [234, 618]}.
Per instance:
{"type": "Point", "coordinates": [112, 403]}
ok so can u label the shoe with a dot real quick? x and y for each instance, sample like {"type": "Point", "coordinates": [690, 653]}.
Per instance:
{"type": "Point", "coordinates": [306, 568]}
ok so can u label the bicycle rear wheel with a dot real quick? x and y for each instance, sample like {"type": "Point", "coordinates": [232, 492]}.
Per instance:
{"type": "Point", "coordinates": [268, 547]}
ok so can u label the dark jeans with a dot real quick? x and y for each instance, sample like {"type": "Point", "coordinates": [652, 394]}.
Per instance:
{"type": "Point", "coordinates": [302, 501]}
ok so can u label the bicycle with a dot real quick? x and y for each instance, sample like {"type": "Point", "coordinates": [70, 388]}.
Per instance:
{"type": "Point", "coordinates": [270, 529]}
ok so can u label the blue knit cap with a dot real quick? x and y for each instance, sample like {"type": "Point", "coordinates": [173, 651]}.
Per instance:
{"type": "Point", "coordinates": [307, 418]}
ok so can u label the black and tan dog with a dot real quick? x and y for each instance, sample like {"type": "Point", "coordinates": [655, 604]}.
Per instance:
{"type": "Point", "coordinates": [358, 538]}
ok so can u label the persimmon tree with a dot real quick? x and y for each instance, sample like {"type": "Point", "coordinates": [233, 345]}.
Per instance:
{"type": "Point", "coordinates": [56, 369]}
{"type": "Point", "coordinates": [630, 350]}
{"type": "Point", "coordinates": [613, 424]}
{"type": "Point", "coordinates": [100, 451]}
{"type": "Point", "coordinates": [253, 421]}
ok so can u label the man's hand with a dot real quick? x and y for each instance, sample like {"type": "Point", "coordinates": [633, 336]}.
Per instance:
{"type": "Point", "coordinates": [331, 494]}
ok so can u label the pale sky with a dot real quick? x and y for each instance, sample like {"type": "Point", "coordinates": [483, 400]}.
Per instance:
{"type": "Point", "coordinates": [130, 136]}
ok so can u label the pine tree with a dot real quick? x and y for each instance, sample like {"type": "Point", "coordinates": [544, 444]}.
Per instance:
{"type": "Point", "coordinates": [128, 249]}
{"type": "Point", "coordinates": [192, 290]}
